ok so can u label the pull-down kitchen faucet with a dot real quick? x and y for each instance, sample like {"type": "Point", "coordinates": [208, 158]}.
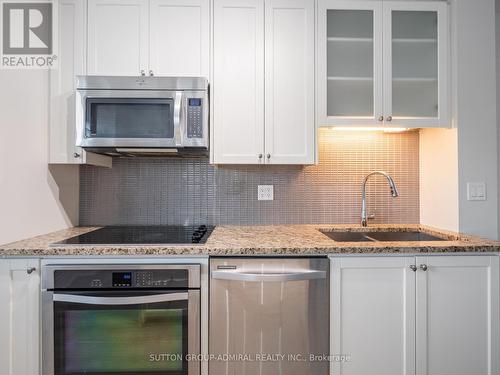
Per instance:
{"type": "Point", "coordinates": [394, 193]}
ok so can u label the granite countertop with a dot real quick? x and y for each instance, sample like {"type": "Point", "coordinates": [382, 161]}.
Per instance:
{"type": "Point", "coordinates": [261, 240]}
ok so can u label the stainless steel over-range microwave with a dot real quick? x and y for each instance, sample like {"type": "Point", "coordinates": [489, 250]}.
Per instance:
{"type": "Point", "coordinates": [142, 115]}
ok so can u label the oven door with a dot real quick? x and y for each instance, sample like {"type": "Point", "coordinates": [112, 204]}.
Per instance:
{"type": "Point", "coordinates": [129, 118]}
{"type": "Point", "coordinates": [116, 333]}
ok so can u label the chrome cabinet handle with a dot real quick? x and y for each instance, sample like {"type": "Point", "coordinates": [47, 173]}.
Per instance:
{"type": "Point", "coordinates": [268, 156]}
{"type": "Point", "coordinates": [151, 73]}
{"type": "Point", "coordinates": [413, 268]}
{"type": "Point", "coordinates": [389, 118]}
{"type": "Point", "coordinates": [268, 277]}
{"type": "Point", "coordinates": [88, 300]}
{"type": "Point", "coordinates": [260, 156]}
{"type": "Point", "coordinates": [30, 270]}
{"type": "Point", "coordinates": [423, 267]}
{"type": "Point", "coordinates": [143, 73]}
{"type": "Point", "coordinates": [76, 155]}
{"type": "Point", "coordinates": [381, 118]}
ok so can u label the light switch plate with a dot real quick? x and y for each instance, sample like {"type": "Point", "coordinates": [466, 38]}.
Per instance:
{"type": "Point", "coordinates": [476, 191]}
{"type": "Point", "coordinates": [265, 192]}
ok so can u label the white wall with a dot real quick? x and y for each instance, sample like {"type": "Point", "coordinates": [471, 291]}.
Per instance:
{"type": "Point", "coordinates": [475, 112]}
{"type": "Point", "coordinates": [33, 199]}
{"type": "Point", "coordinates": [439, 205]}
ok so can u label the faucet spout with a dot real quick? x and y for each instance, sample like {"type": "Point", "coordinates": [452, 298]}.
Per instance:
{"type": "Point", "coordinates": [392, 185]}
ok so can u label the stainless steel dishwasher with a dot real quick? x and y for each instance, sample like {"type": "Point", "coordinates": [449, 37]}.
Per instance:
{"type": "Point", "coordinates": [269, 316]}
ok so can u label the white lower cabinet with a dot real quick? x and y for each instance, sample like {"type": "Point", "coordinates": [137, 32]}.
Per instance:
{"type": "Point", "coordinates": [442, 318]}
{"type": "Point", "coordinates": [457, 326]}
{"type": "Point", "coordinates": [19, 317]}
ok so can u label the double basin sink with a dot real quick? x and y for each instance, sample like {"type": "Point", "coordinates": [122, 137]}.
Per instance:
{"type": "Point", "coordinates": [379, 236]}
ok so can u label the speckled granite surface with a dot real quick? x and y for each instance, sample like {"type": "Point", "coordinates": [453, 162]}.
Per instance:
{"type": "Point", "coordinates": [261, 240]}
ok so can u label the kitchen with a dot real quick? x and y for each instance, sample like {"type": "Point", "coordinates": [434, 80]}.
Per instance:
{"type": "Point", "coordinates": [322, 199]}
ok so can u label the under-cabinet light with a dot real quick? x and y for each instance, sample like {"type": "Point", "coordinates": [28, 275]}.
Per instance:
{"type": "Point", "coordinates": [370, 129]}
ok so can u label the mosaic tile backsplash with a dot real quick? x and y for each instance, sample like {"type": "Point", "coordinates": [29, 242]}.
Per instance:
{"type": "Point", "coordinates": [140, 191]}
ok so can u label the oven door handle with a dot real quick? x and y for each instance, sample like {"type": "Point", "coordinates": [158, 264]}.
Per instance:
{"type": "Point", "coordinates": [88, 300]}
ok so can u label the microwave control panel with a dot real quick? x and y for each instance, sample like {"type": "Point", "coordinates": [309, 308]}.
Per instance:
{"type": "Point", "coordinates": [195, 118]}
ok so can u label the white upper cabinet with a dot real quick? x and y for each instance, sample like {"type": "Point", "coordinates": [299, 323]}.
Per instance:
{"type": "Point", "coordinates": [149, 37]}
{"type": "Point", "coordinates": [349, 63]}
{"type": "Point", "coordinates": [245, 82]}
{"type": "Point", "coordinates": [180, 38]}
{"type": "Point", "coordinates": [238, 81]}
{"type": "Point", "coordinates": [117, 37]}
{"type": "Point", "coordinates": [383, 63]}
{"type": "Point", "coordinates": [416, 67]}
{"type": "Point", "coordinates": [72, 62]}
{"type": "Point", "coordinates": [289, 82]}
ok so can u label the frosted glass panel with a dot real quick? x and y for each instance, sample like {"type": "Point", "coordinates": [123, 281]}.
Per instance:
{"type": "Point", "coordinates": [350, 63]}
{"type": "Point", "coordinates": [350, 98]}
{"type": "Point", "coordinates": [415, 64]}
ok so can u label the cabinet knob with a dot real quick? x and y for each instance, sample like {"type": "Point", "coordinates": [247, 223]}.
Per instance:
{"type": "Point", "coordinates": [423, 267]}
{"type": "Point", "coordinates": [413, 268]}
{"type": "Point", "coordinates": [389, 118]}
{"type": "Point", "coordinates": [76, 155]}
{"type": "Point", "coordinates": [143, 73]}
{"type": "Point", "coordinates": [381, 118]}
{"type": "Point", "coordinates": [151, 73]}
{"type": "Point", "coordinates": [30, 270]}
{"type": "Point", "coordinates": [268, 156]}
{"type": "Point", "coordinates": [260, 156]}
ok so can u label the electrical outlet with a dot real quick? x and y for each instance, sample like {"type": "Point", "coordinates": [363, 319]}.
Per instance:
{"type": "Point", "coordinates": [476, 191]}
{"type": "Point", "coordinates": [265, 192]}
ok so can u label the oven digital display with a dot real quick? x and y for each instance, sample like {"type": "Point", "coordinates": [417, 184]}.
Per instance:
{"type": "Point", "coordinates": [122, 279]}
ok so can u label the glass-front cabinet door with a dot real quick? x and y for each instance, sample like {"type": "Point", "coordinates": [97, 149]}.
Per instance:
{"type": "Point", "coordinates": [350, 63]}
{"type": "Point", "coordinates": [382, 63]}
{"type": "Point", "coordinates": [416, 63]}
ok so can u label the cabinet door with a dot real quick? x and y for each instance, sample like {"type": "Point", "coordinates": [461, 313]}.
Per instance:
{"type": "Point", "coordinates": [373, 316]}
{"type": "Point", "coordinates": [457, 315]}
{"type": "Point", "coordinates": [118, 37]}
{"type": "Point", "coordinates": [179, 37]}
{"type": "Point", "coordinates": [238, 81]}
{"type": "Point", "coordinates": [19, 317]}
{"type": "Point", "coordinates": [71, 37]}
{"type": "Point", "coordinates": [416, 63]}
{"type": "Point", "coordinates": [349, 63]}
{"type": "Point", "coordinates": [72, 22]}
{"type": "Point", "coordinates": [289, 82]}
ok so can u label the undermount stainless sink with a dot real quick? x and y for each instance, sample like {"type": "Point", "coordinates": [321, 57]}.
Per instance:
{"type": "Point", "coordinates": [379, 236]}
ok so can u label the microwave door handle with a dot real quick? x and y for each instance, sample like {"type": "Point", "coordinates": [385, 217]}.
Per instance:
{"type": "Point", "coordinates": [268, 277]}
{"type": "Point", "coordinates": [88, 300]}
{"type": "Point", "coordinates": [177, 119]}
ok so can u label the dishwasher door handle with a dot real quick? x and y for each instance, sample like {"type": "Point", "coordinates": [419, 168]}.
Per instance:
{"type": "Point", "coordinates": [88, 300]}
{"type": "Point", "coordinates": [268, 277]}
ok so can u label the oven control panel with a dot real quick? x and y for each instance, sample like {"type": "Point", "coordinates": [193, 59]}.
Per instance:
{"type": "Point", "coordinates": [124, 279]}
{"type": "Point", "coordinates": [195, 118]}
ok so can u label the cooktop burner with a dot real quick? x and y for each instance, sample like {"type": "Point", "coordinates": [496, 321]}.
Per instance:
{"type": "Point", "coordinates": [143, 235]}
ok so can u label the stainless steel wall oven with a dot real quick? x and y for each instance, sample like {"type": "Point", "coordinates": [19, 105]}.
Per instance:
{"type": "Point", "coordinates": [120, 319]}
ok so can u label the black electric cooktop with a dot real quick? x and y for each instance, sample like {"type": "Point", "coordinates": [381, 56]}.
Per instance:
{"type": "Point", "coordinates": [143, 235]}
